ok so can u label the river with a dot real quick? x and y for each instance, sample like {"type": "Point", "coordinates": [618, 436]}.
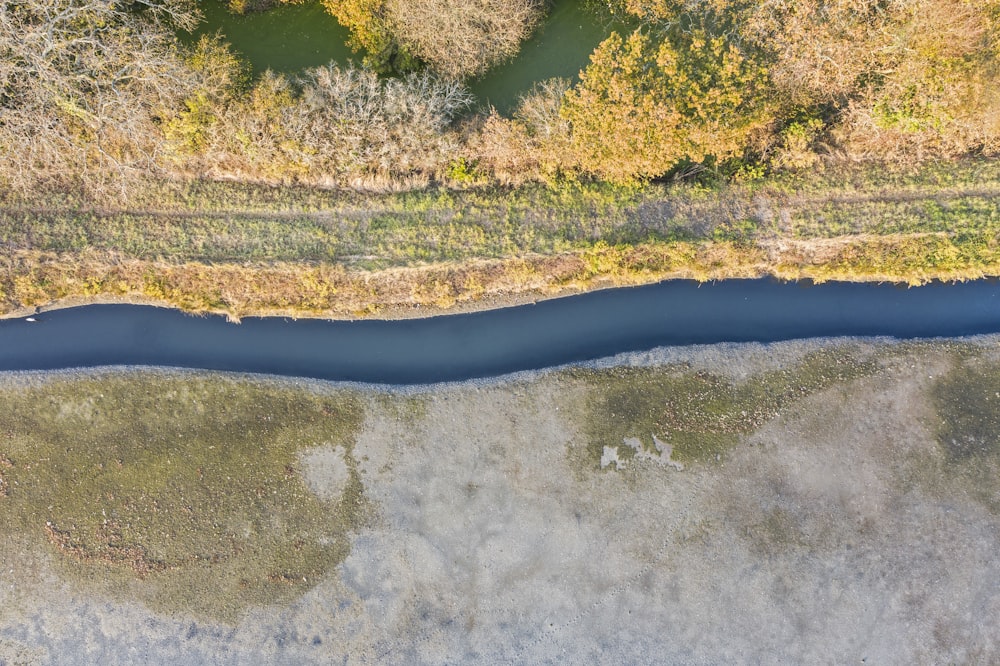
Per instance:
{"type": "Point", "coordinates": [483, 344]}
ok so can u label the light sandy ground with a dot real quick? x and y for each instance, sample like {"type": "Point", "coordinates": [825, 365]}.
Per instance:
{"type": "Point", "coordinates": [817, 541]}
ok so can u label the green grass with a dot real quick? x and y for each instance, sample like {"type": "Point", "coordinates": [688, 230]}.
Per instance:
{"type": "Point", "coordinates": [941, 221]}
{"type": "Point", "coordinates": [234, 222]}
{"type": "Point", "coordinates": [179, 491]}
{"type": "Point", "coordinates": [701, 415]}
{"type": "Point", "coordinates": [967, 401]}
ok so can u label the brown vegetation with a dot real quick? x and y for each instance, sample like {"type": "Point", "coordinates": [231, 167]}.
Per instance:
{"type": "Point", "coordinates": [908, 79]}
{"type": "Point", "coordinates": [702, 84]}
{"type": "Point", "coordinates": [110, 549]}
{"type": "Point", "coordinates": [940, 95]}
{"type": "Point", "coordinates": [644, 105]}
{"type": "Point", "coordinates": [455, 38]}
{"type": "Point", "coordinates": [240, 250]}
{"type": "Point", "coordinates": [283, 288]}
{"type": "Point", "coordinates": [858, 79]}
{"type": "Point", "coordinates": [84, 86]}
{"type": "Point", "coordinates": [93, 96]}
{"type": "Point", "coordinates": [370, 31]}
{"type": "Point", "coordinates": [532, 145]}
{"type": "Point", "coordinates": [335, 126]}
{"type": "Point", "coordinates": [460, 38]}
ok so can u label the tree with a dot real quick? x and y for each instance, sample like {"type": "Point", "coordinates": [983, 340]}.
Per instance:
{"type": "Point", "coordinates": [455, 38]}
{"type": "Point", "coordinates": [939, 92]}
{"type": "Point", "coordinates": [84, 86]}
{"type": "Point", "coordinates": [645, 104]}
{"type": "Point", "coordinates": [370, 31]}
{"type": "Point", "coordinates": [461, 38]}
{"type": "Point", "coordinates": [532, 145]}
{"type": "Point", "coordinates": [331, 126]}
{"type": "Point", "coordinates": [872, 79]}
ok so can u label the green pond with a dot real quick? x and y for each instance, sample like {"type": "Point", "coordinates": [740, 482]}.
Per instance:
{"type": "Point", "coordinates": [287, 38]}
{"type": "Point", "coordinates": [561, 47]}
{"type": "Point", "coordinates": [294, 37]}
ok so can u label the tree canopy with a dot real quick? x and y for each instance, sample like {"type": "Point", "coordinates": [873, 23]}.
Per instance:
{"type": "Point", "coordinates": [84, 84]}
{"type": "Point", "coordinates": [648, 102]}
{"type": "Point", "coordinates": [709, 80]}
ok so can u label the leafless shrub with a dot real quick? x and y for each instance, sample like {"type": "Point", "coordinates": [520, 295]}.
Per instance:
{"type": "Point", "coordinates": [533, 145]}
{"type": "Point", "coordinates": [539, 109]}
{"type": "Point", "coordinates": [460, 38]}
{"type": "Point", "coordinates": [337, 126]}
{"type": "Point", "coordinates": [939, 93]}
{"type": "Point", "coordinates": [821, 47]}
{"type": "Point", "coordinates": [395, 126]}
{"type": "Point", "coordinates": [83, 86]}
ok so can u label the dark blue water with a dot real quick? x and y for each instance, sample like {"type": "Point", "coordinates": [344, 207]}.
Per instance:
{"type": "Point", "coordinates": [484, 344]}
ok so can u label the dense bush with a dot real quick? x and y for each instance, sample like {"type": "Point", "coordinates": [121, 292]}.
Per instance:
{"type": "Point", "coordinates": [370, 31]}
{"type": "Point", "coordinates": [647, 103]}
{"type": "Point", "coordinates": [332, 126]}
{"type": "Point", "coordinates": [460, 38]}
{"type": "Point", "coordinates": [936, 91]}
{"type": "Point", "coordinates": [532, 145]}
{"type": "Point", "coordinates": [455, 38]}
{"type": "Point", "coordinates": [94, 93]}
{"type": "Point", "coordinates": [897, 80]}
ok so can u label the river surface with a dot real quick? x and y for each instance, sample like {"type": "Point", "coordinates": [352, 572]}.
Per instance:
{"type": "Point", "coordinates": [495, 342]}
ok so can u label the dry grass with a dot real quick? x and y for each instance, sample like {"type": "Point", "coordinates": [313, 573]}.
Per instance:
{"type": "Point", "coordinates": [34, 279]}
{"type": "Point", "coordinates": [242, 250]}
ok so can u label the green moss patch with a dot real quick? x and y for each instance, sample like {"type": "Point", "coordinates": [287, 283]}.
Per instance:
{"type": "Point", "coordinates": [699, 414]}
{"type": "Point", "coordinates": [179, 491]}
{"type": "Point", "coordinates": [967, 401]}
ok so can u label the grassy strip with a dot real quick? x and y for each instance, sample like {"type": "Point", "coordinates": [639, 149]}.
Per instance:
{"type": "Point", "coordinates": [310, 225]}
{"type": "Point", "coordinates": [379, 239]}
{"type": "Point", "coordinates": [34, 278]}
{"type": "Point", "coordinates": [201, 221]}
{"type": "Point", "coordinates": [241, 249]}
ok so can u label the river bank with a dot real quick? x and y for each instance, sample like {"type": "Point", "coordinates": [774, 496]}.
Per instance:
{"type": "Point", "coordinates": [243, 250]}
{"type": "Point", "coordinates": [819, 499]}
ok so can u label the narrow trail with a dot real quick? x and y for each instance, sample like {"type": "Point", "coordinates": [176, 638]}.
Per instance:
{"type": "Point", "coordinates": [348, 213]}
